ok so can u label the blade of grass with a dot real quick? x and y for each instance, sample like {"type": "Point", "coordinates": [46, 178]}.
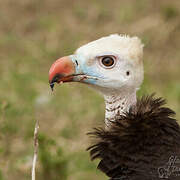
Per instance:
{"type": "Point", "coordinates": [35, 150]}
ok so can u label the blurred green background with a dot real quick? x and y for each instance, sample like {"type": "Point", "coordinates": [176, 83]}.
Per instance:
{"type": "Point", "coordinates": [34, 33]}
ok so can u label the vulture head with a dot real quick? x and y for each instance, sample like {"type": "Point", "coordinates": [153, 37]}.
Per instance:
{"type": "Point", "coordinates": [112, 65]}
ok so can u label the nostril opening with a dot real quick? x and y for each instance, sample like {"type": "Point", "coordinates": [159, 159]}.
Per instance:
{"type": "Point", "coordinates": [76, 62]}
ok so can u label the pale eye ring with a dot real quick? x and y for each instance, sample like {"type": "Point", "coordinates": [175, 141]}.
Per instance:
{"type": "Point", "coordinates": [107, 61]}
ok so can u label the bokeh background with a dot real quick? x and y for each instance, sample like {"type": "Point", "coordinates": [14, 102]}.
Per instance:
{"type": "Point", "coordinates": [34, 33]}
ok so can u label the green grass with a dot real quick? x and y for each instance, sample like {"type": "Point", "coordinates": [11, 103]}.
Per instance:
{"type": "Point", "coordinates": [33, 35]}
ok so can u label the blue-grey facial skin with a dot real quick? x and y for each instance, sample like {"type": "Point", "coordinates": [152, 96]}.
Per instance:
{"type": "Point", "coordinates": [81, 67]}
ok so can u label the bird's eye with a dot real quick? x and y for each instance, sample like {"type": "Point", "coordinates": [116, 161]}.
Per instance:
{"type": "Point", "coordinates": [107, 61]}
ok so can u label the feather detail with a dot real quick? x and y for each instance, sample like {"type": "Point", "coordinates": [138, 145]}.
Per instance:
{"type": "Point", "coordinates": [139, 142]}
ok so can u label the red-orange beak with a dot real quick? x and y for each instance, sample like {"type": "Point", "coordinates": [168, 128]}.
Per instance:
{"type": "Point", "coordinates": [62, 70]}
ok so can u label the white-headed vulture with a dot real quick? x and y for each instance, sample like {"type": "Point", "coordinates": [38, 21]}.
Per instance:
{"type": "Point", "coordinates": [141, 138]}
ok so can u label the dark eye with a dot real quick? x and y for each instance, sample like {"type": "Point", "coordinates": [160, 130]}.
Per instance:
{"type": "Point", "coordinates": [107, 61]}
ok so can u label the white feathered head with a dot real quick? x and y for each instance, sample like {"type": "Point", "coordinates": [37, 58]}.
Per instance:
{"type": "Point", "coordinates": [111, 63]}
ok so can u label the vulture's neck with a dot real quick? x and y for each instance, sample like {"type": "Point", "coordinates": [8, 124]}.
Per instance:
{"type": "Point", "coordinates": [117, 103]}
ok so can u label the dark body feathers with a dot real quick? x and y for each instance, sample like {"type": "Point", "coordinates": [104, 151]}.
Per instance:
{"type": "Point", "coordinates": [143, 144]}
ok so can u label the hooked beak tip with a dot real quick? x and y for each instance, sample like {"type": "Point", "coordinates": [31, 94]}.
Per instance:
{"type": "Point", "coordinates": [52, 86]}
